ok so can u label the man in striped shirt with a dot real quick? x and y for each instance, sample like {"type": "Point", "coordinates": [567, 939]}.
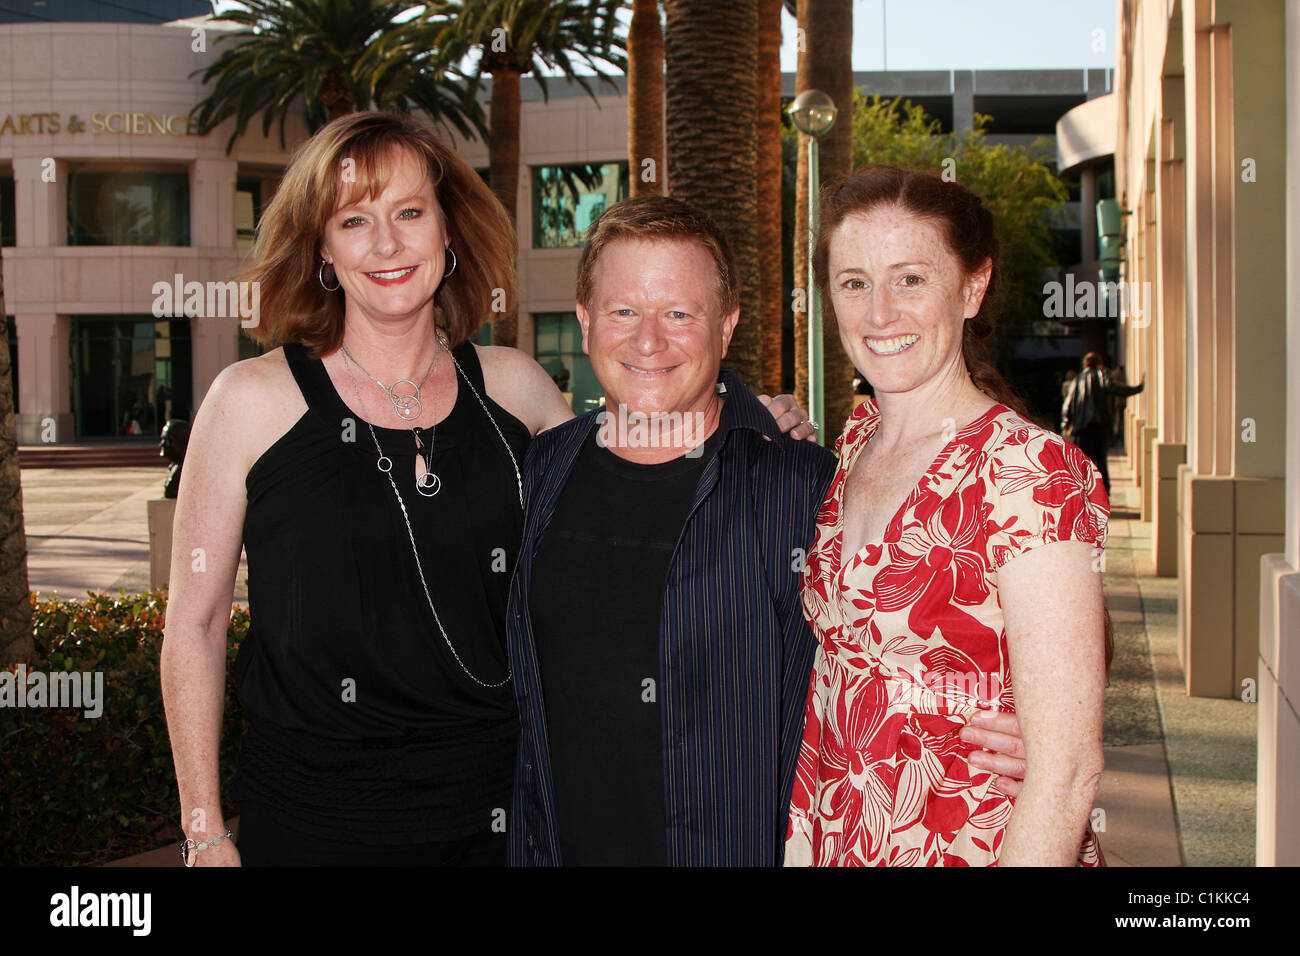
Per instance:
{"type": "Point", "coordinates": [659, 648]}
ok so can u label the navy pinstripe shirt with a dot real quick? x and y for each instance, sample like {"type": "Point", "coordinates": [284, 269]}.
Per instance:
{"type": "Point", "coordinates": [735, 652]}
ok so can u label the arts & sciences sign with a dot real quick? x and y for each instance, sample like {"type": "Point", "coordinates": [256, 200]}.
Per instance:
{"type": "Point", "coordinates": [117, 123]}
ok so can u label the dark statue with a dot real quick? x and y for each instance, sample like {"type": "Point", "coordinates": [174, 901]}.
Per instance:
{"type": "Point", "coordinates": [175, 438]}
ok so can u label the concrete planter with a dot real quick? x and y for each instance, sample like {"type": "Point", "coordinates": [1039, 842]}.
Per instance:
{"type": "Point", "coordinates": [161, 513]}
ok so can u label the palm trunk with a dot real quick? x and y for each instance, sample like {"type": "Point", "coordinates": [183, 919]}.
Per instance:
{"type": "Point", "coordinates": [336, 95]}
{"type": "Point", "coordinates": [503, 160]}
{"type": "Point", "coordinates": [711, 49]}
{"type": "Point", "coordinates": [15, 599]}
{"type": "Point", "coordinates": [825, 64]}
{"type": "Point", "coordinates": [769, 189]}
{"type": "Point", "coordinates": [645, 100]}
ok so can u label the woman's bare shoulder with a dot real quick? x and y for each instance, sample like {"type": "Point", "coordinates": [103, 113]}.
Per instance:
{"type": "Point", "coordinates": [502, 360]}
{"type": "Point", "coordinates": [259, 385]}
{"type": "Point", "coordinates": [250, 404]}
{"type": "Point", "coordinates": [522, 387]}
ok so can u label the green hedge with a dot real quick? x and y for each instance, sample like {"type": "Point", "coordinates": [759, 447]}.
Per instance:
{"type": "Point", "coordinates": [84, 791]}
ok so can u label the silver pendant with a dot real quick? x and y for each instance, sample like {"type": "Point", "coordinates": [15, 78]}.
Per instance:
{"type": "Point", "coordinates": [406, 405]}
{"type": "Point", "coordinates": [428, 484]}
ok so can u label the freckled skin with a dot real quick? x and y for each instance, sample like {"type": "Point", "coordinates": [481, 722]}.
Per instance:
{"type": "Point", "coordinates": [891, 274]}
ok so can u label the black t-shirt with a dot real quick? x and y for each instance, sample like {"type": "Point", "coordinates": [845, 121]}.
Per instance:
{"type": "Point", "coordinates": [595, 602]}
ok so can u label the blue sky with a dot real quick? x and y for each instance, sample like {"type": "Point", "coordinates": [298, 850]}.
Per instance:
{"type": "Point", "coordinates": [970, 34]}
{"type": "Point", "coordinates": [976, 34]}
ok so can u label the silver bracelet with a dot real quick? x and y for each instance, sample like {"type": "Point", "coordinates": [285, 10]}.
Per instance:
{"type": "Point", "coordinates": [190, 849]}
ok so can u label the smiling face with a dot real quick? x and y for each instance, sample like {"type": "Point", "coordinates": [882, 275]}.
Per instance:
{"type": "Point", "coordinates": [390, 252]}
{"type": "Point", "coordinates": [901, 298]}
{"type": "Point", "coordinates": [654, 328]}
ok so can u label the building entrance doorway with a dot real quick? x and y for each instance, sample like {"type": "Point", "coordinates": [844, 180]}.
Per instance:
{"type": "Point", "coordinates": [130, 374]}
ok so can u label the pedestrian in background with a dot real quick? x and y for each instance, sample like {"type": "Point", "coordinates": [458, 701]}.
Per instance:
{"type": "Point", "coordinates": [1086, 413]}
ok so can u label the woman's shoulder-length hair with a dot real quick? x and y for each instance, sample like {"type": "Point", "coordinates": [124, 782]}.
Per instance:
{"type": "Point", "coordinates": [352, 157]}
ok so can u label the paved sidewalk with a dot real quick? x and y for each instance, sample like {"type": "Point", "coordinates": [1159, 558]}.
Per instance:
{"type": "Point", "coordinates": [1179, 784]}
{"type": "Point", "coordinates": [88, 530]}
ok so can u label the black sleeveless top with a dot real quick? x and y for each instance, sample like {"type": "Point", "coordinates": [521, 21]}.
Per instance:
{"type": "Point", "coordinates": [361, 723]}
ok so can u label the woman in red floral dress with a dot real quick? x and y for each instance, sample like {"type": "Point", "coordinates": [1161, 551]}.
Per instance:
{"type": "Point", "coordinates": [958, 543]}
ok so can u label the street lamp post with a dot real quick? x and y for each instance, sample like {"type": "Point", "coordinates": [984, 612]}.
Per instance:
{"type": "Point", "coordinates": [813, 113]}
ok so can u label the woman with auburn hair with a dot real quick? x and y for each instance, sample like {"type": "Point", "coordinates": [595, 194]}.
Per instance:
{"type": "Point", "coordinates": [956, 547]}
{"type": "Point", "coordinates": [369, 465]}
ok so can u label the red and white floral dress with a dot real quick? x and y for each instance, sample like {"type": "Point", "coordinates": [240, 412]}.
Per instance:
{"type": "Point", "coordinates": [912, 646]}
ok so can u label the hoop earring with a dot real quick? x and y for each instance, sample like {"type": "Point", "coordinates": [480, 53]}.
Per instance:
{"type": "Point", "coordinates": [321, 278]}
{"type": "Point", "coordinates": [453, 262]}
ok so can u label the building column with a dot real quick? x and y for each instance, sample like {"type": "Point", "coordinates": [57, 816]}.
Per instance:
{"type": "Point", "coordinates": [1204, 504]}
{"type": "Point", "coordinates": [212, 203]}
{"type": "Point", "coordinates": [1088, 212]}
{"type": "Point", "coordinates": [41, 220]}
{"type": "Point", "coordinates": [1231, 492]}
{"type": "Point", "coordinates": [963, 100]}
{"type": "Point", "coordinates": [214, 340]}
{"type": "Point", "coordinates": [214, 344]}
{"type": "Point", "coordinates": [1169, 450]}
{"type": "Point", "coordinates": [1147, 295]}
{"type": "Point", "coordinates": [1253, 301]}
{"type": "Point", "coordinates": [1277, 834]}
{"type": "Point", "coordinates": [44, 381]}
{"type": "Point", "coordinates": [40, 201]}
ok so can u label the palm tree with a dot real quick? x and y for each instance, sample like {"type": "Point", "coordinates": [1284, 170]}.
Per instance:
{"type": "Point", "coordinates": [825, 63]}
{"type": "Point", "coordinates": [645, 98]}
{"type": "Point", "coordinates": [340, 56]}
{"type": "Point", "coordinates": [531, 36]}
{"type": "Point", "coordinates": [711, 48]}
{"type": "Point", "coordinates": [769, 189]}
{"type": "Point", "coordinates": [15, 604]}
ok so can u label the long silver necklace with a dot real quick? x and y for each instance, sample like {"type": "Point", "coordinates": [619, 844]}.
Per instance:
{"type": "Point", "coordinates": [385, 465]}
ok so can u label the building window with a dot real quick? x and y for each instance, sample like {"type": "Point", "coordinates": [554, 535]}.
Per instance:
{"type": "Point", "coordinates": [8, 234]}
{"type": "Point", "coordinates": [557, 340]}
{"type": "Point", "coordinates": [128, 209]}
{"type": "Point", "coordinates": [248, 212]}
{"type": "Point", "coordinates": [566, 199]}
{"type": "Point", "coordinates": [1105, 188]}
{"type": "Point", "coordinates": [131, 373]}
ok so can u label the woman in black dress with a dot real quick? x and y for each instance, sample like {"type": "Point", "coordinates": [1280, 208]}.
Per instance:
{"type": "Point", "coordinates": [369, 466]}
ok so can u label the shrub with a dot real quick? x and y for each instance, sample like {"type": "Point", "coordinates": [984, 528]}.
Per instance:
{"type": "Point", "coordinates": [84, 791]}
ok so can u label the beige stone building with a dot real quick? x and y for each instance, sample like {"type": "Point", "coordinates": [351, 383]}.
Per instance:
{"type": "Point", "coordinates": [105, 192]}
{"type": "Point", "coordinates": [1207, 162]}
